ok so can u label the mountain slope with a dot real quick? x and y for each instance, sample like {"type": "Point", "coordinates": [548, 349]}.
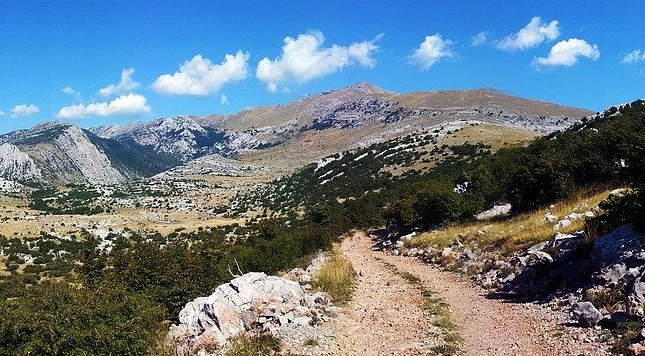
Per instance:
{"type": "Point", "coordinates": [132, 159]}
{"type": "Point", "coordinates": [279, 138]}
{"type": "Point", "coordinates": [285, 137]}
{"type": "Point", "coordinates": [321, 125]}
{"type": "Point", "coordinates": [63, 154]}
{"type": "Point", "coordinates": [17, 165]}
{"type": "Point", "coordinates": [179, 137]}
{"type": "Point", "coordinates": [59, 153]}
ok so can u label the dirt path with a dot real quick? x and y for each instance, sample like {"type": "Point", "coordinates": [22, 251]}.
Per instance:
{"type": "Point", "coordinates": [385, 316]}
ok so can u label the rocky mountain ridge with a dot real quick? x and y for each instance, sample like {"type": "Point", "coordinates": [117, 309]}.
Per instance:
{"type": "Point", "coordinates": [280, 138]}
{"type": "Point", "coordinates": [55, 152]}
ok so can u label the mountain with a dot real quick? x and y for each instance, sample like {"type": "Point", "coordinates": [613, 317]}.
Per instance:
{"type": "Point", "coordinates": [320, 125]}
{"type": "Point", "coordinates": [62, 153]}
{"type": "Point", "coordinates": [58, 153]}
{"type": "Point", "coordinates": [278, 138]}
{"type": "Point", "coordinates": [179, 137]}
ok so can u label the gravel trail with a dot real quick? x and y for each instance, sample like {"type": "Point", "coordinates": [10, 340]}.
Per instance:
{"type": "Point", "coordinates": [385, 316]}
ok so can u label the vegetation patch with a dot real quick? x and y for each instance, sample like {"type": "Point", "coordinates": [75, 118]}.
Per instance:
{"type": "Point", "coordinates": [336, 277]}
{"type": "Point", "coordinates": [627, 333]}
{"type": "Point", "coordinates": [312, 342]}
{"type": "Point", "coordinates": [73, 200]}
{"type": "Point", "coordinates": [515, 233]}
{"type": "Point", "coordinates": [254, 345]}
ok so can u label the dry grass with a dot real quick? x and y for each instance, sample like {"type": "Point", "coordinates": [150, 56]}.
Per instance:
{"type": "Point", "coordinates": [495, 136]}
{"type": "Point", "coordinates": [336, 277]}
{"type": "Point", "coordinates": [254, 345]}
{"type": "Point", "coordinates": [516, 233]}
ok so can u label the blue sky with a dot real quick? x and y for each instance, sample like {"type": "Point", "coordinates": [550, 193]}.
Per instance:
{"type": "Point", "coordinates": [46, 46]}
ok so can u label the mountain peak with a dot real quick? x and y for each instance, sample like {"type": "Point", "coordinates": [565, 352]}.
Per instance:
{"type": "Point", "coordinates": [48, 125]}
{"type": "Point", "coordinates": [367, 88]}
{"type": "Point", "coordinates": [360, 88]}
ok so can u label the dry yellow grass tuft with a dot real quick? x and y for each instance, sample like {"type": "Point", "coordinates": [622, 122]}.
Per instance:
{"type": "Point", "coordinates": [515, 233]}
{"type": "Point", "coordinates": [336, 276]}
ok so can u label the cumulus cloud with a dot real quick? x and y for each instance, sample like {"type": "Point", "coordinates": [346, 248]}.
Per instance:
{"type": "Point", "coordinates": [531, 35]}
{"type": "Point", "coordinates": [567, 52]}
{"type": "Point", "coordinates": [634, 56]}
{"type": "Point", "coordinates": [200, 77]}
{"type": "Point", "coordinates": [126, 84]}
{"type": "Point", "coordinates": [304, 58]}
{"type": "Point", "coordinates": [24, 110]}
{"type": "Point", "coordinates": [479, 39]}
{"type": "Point", "coordinates": [223, 99]}
{"type": "Point", "coordinates": [71, 92]}
{"type": "Point", "coordinates": [128, 104]}
{"type": "Point", "coordinates": [433, 49]}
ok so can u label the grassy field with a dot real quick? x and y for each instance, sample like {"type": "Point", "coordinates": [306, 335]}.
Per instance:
{"type": "Point", "coordinates": [496, 136]}
{"type": "Point", "coordinates": [17, 220]}
{"type": "Point", "coordinates": [515, 233]}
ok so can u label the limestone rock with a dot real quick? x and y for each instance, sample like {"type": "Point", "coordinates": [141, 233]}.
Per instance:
{"type": "Point", "coordinates": [494, 212]}
{"type": "Point", "coordinates": [233, 308]}
{"type": "Point", "coordinates": [587, 314]}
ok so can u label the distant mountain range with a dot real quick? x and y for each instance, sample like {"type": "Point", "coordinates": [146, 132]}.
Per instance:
{"type": "Point", "coordinates": [280, 137]}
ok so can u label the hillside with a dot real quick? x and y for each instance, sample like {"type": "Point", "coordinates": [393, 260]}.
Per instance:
{"type": "Point", "coordinates": [423, 181]}
{"type": "Point", "coordinates": [58, 153]}
{"type": "Point", "coordinates": [288, 136]}
{"type": "Point", "coordinates": [277, 138]}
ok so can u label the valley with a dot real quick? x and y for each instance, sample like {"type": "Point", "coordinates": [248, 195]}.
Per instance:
{"type": "Point", "coordinates": [178, 172]}
{"type": "Point", "coordinates": [170, 210]}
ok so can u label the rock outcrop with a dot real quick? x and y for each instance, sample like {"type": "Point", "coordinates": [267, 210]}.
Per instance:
{"type": "Point", "coordinates": [16, 165]}
{"type": "Point", "coordinates": [587, 313]}
{"type": "Point", "coordinates": [252, 302]}
{"type": "Point", "coordinates": [57, 153]}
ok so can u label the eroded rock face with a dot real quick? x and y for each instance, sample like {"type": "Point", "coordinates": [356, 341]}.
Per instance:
{"type": "Point", "coordinates": [16, 165]}
{"type": "Point", "coordinates": [55, 152]}
{"type": "Point", "coordinates": [253, 301]}
{"type": "Point", "coordinates": [635, 303]}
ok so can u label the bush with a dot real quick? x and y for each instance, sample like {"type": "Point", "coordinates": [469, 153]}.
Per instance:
{"type": "Point", "coordinates": [430, 206]}
{"type": "Point", "coordinates": [620, 209]}
{"type": "Point", "coordinates": [57, 319]}
{"type": "Point", "coordinates": [170, 276]}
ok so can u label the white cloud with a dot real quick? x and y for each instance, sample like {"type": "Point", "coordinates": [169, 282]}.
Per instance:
{"type": "Point", "coordinates": [531, 35]}
{"type": "Point", "coordinates": [71, 92]}
{"type": "Point", "coordinates": [199, 76]}
{"type": "Point", "coordinates": [634, 56]}
{"type": "Point", "coordinates": [126, 84]}
{"type": "Point", "coordinates": [303, 59]}
{"type": "Point", "coordinates": [24, 110]}
{"type": "Point", "coordinates": [433, 49]}
{"type": "Point", "coordinates": [566, 53]}
{"type": "Point", "coordinates": [479, 39]}
{"type": "Point", "coordinates": [128, 104]}
{"type": "Point", "coordinates": [1, 113]}
{"type": "Point", "coordinates": [223, 99]}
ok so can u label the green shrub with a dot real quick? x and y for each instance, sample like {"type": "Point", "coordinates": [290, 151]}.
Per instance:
{"type": "Point", "coordinates": [57, 319]}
